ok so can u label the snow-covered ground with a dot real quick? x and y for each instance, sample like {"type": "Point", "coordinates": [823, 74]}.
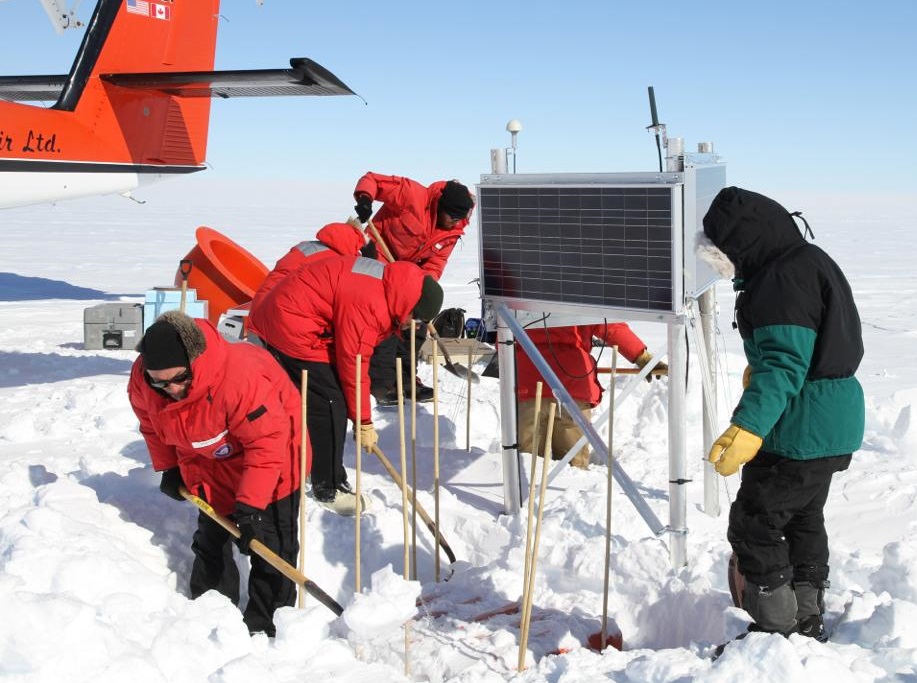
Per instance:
{"type": "Point", "coordinates": [94, 561]}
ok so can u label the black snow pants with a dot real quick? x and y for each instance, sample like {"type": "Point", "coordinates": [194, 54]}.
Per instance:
{"type": "Point", "coordinates": [268, 589]}
{"type": "Point", "coordinates": [777, 522]}
{"type": "Point", "coordinates": [326, 418]}
{"type": "Point", "coordinates": [382, 364]}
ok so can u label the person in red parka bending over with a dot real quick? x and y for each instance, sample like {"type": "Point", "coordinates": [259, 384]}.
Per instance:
{"type": "Point", "coordinates": [568, 351]}
{"type": "Point", "coordinates": [421, 225]}
{"type": "Point", "coordinates": [343, 239]}
{"type": "Point", "coordinates": [223, 420]}
{"type": "Point", "coordinates": [319, 319]}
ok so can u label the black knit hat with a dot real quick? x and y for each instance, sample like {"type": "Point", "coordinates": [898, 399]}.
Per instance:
{"type": "Point", "coordinates": [162, 347]}
{"type": "Point", "coordinates": [431, 300]}
{"type": "Point", "coordinates": [455, 200]}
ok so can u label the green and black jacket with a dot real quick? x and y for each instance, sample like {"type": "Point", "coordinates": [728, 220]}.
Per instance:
{"type": "Point", "coordinates": [800, 328]}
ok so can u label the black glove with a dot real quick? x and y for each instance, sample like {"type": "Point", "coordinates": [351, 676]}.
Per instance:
{"type": "Point", "coordinates": [249, 520]}
{"type": "Point", "coordinates": [369, 250]}
{"type": "Point", "coordinates": [170, 483]}
{"type": "Point", "coordinates": [364, 207]}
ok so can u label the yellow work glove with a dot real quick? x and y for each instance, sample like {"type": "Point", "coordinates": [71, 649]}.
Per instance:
{"type": "Point", "coordinates": [645, 358]}
{"type": "Point", "coordinates": [746, 377]}
{"type": "Point", "coordinates": [368, 435]}
{"type": "Point", "coordinates": [734, 448]}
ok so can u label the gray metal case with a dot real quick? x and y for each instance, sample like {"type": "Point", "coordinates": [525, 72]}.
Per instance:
{"type": "Point", "coordinates": [112, 326]}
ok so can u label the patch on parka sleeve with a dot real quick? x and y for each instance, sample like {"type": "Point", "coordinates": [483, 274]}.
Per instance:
{"type": "Point", "coordinates": [256, 413]}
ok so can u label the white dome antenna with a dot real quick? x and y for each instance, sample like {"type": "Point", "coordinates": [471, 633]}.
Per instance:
{"type": "Point", "coordinates": [513, 127]}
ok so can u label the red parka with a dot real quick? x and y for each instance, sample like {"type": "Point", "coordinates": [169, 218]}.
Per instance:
{"type": "Point", "coordinates": [331, 310]}
{"type": "Point", "coordinates": [407, 220]}
{"type": "Point", "coordinates": [236, 434]}
{"type": "Point", "coordinates": [569, 355]}
{"type": "Point", "coordinates": [335, 238]}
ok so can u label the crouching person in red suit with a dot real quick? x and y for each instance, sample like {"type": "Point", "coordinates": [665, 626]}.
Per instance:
{"type": "Point", "coordinates": [224, 420]}
{"type": "Point", "coordinates": [568, 352]}
{"type": "Point", "coordinates": [318, 319]}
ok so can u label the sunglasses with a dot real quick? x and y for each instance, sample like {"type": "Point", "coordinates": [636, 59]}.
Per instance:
{"type": "Point", "coordinates": [180, 378]}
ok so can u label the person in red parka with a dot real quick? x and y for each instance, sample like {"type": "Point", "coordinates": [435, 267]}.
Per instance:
{"type": "Point", "coordinates": [568, 351]}
{"type": "Point", "coordinates": [345, 239]}
{"type": "Point", "coordinates": [419, 224]}
{"type": "Point", "coordinates": [319, 318]}
{"type": "Point", "coordinates": [223, 420]}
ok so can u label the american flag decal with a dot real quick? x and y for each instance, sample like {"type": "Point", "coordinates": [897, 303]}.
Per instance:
{"type": "Point", "coordinates": [141, 7]}
{"type": "Point", "coordinates": [162, 11]}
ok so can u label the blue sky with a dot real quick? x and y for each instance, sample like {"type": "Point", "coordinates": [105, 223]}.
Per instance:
{"type": "Point", "coordinates": [804, 95]}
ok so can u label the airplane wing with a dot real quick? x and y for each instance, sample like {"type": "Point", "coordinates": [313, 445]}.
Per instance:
{"type": "Point", "coordinates": [31, 88]}
{"type": "Point", "coordinates": [304, 77]}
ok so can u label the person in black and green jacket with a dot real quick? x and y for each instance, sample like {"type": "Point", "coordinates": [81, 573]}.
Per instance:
{"type": "Point", "coordinates": [801, 415]}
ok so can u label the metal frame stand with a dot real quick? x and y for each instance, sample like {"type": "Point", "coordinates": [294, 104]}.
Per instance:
{"type": "Point", "coordinates": [508, 406]}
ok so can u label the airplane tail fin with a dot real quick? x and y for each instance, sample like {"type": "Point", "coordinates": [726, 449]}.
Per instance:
{"type": "Point", "coordinates": [140, 36]}
{"type": "Point", "coordinates": [138, 94]}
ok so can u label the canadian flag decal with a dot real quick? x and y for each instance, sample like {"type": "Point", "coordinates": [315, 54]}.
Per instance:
{"type": "Point", "coordinates": [162, 11]}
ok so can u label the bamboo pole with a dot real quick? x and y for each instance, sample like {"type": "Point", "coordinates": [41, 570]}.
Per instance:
{"type": "Point", "coordinates": [303, 459]}
{"type": "Point", "coordinates": [404, 509]}
{"type": "Point", "coordinates": [436, 563]}
{"type": "Point", "coordinates": [404, 490]}
{"type": "Point", "coordinates": [611, 428]}
{"type": "Point", "coordinates": [468, 408]}
{"type": "Point", "coordinates": [529, 527]}
{"type": "Point", "coordinates": [359, 440]}
{"type": "Point", "coordinates": [413, 450]}
{"type": "Point", "coordinates": [527, 607]}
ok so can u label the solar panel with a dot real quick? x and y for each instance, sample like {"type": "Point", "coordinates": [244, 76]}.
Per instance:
{"type": "Point", "coordinates": [599, 246]}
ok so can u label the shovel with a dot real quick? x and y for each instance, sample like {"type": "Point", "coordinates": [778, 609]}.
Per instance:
{"type": "Point", "coordinates": [184, 267]}
{"type": "Point", "coordinates": [455, 368]}
{"type": "Point", "coordinates": [267, 554]}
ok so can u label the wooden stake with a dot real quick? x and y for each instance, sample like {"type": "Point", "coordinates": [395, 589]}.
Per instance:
{"type": "Point", "coordinates": [527, 607]}
{"type": "Point", "coordinates": [468, 408]}
{"type": "Point", "coordinates": [358, 411]}
{"type": "Point", "coordinates": [436, 566]}
{"type": "Point", "coordinates": [413, 450]}
{"type": "Point", "coordinates": [529, 527]}
{"type": "Point", "coordinates": [404, 467]}
{"type": "Point", "coordinates": [404, 508]}
{"type": "Point", "coordinates": [611, 428]}
{"type": "Point", "coordinates": [303, 459]}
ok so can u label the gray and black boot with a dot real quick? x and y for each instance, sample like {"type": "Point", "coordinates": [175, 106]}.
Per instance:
{"type": "Point", "coordinates": [773, 609]}
{"type": "Point", "coordinates": [810, 606]}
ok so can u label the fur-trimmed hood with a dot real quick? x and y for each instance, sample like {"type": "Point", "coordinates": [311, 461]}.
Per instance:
{"type": "Point", "coordinates": [750, 229]}
{"type": "Point", "coordinates": [190, 334]}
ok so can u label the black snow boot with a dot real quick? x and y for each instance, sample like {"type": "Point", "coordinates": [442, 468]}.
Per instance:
{"type": "Point", "coordinates": [810, 601]}
{"type": "Point", "coordinates": [773, 609]}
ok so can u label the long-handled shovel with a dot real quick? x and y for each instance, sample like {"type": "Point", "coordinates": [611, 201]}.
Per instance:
{"type": "Point", "coordinates": [454, 368]}
{"type": "Point", "coordinates": [656, 372]}
{"type": "Point", "coordinates": [431, 525]}
{"type": "Point", "coordinates": [267, 554]}
{"type": "Point", "coordinates": [184, 267]}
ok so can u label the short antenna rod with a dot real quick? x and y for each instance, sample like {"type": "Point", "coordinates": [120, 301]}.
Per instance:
{"type": "Point", "coordinates": [656, 127]}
